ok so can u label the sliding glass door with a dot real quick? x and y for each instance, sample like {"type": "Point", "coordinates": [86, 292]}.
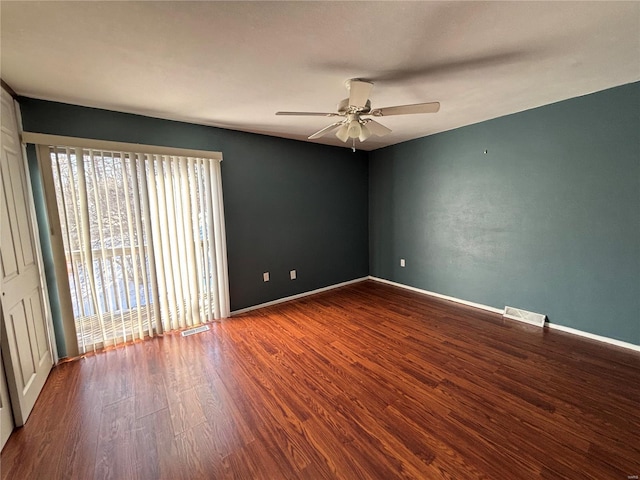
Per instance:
{"type": "Point", "coordinates": [143, 237]}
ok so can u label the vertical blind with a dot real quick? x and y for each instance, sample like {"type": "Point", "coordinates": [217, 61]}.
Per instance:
{"type": "Point", "coordinates": [144, 241]}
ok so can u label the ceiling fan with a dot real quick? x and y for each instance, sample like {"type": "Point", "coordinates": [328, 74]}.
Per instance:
{"type": "Point", "coordinates": [356, 108]}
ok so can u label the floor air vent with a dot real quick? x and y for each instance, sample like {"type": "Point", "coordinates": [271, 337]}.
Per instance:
{"type": "Point", "coordinates": [193, 331]}
{"type": "Point", "coordinates": [524, 316]}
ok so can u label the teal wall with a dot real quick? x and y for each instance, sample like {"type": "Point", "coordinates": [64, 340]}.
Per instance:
{"type": "Point", "coordinates": [288, 204]}
{"type": "Point", "coordinates": [548, 220]}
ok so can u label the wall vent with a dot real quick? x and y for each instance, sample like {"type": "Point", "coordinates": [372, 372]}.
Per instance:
{"type": "Point", "coordinates": [524, 316]}
{"type": "Point", "coordinates": [193, 331]}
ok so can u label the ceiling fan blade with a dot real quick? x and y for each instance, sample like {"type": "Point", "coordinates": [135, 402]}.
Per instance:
{"type": "Point", "coordinates": [343, 133]}
{"type": "Point", "coordinates": [325, 130]}
{"type": "Point", "coordinates": [432, 107]}
{"type": "Point", "coordinates": [359, 92]}
{"type": "Point", "coordinates": [377, 128]}
{"type": "Point", "coordinates": [309, 114]}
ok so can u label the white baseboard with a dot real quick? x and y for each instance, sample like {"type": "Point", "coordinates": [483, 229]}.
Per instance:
{"type": "Point", "coordinates": [593, 336]}
{"type": "Point", "coordinates": [439, 295]}
{"type": "Point", "coordinates": [499, 311]}
{"type": "Point", "coordinates": [299, 295]}
{"type": "Point", "coordinates": [555, 326]}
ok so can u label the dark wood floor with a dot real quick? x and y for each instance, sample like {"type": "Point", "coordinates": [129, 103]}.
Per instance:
{"type": "Point", "coordinates": [366, 381]}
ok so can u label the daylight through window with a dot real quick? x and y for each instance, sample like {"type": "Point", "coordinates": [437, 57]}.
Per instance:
{"type": "Point", "coordinates": [143, 238]}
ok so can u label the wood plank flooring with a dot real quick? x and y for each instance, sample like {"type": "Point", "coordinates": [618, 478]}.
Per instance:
{"type": "Point", "coordinates": [362, 382]}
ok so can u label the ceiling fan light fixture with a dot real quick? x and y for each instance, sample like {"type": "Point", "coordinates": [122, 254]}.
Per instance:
{"type": "Point", "coordinates": [343, 132]}
{"type": "Point", "coordinates": [354, 130]}
{"type": "Point", "coordinates": [364, 134]}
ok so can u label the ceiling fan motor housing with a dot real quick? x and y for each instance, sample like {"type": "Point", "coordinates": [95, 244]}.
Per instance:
{"type": "Point", "coordinates": [345, 108]}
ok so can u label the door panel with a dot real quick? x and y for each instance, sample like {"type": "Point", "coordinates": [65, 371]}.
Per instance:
{"type": "Point", "coordinates": [17, 201]}
{"type": "Point", "coordinates": [18, 335]}
{"type": "Point", "coordinates": [7, 255]}
{"type": "Point", "coordinates": [38, 331]}
{"type": "Point", "coordinates": [26, 348]}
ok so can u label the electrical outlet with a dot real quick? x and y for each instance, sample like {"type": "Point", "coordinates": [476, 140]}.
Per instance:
{"type": "Point", "coordinates": [402, 264]}
{"type": "Point", "coordinates": [292, 274]}
{"type": "Point", "coordinates": [265, 276]}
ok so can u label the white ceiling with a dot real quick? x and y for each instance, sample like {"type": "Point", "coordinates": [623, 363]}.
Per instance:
{"type": "Point", "coordinates": [234, 64]}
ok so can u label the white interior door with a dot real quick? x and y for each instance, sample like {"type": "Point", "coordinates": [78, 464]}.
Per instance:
{"type": "Point", "coordinates": [6, 415]}
{"type": "Point", "coordinates": [26, 347]}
